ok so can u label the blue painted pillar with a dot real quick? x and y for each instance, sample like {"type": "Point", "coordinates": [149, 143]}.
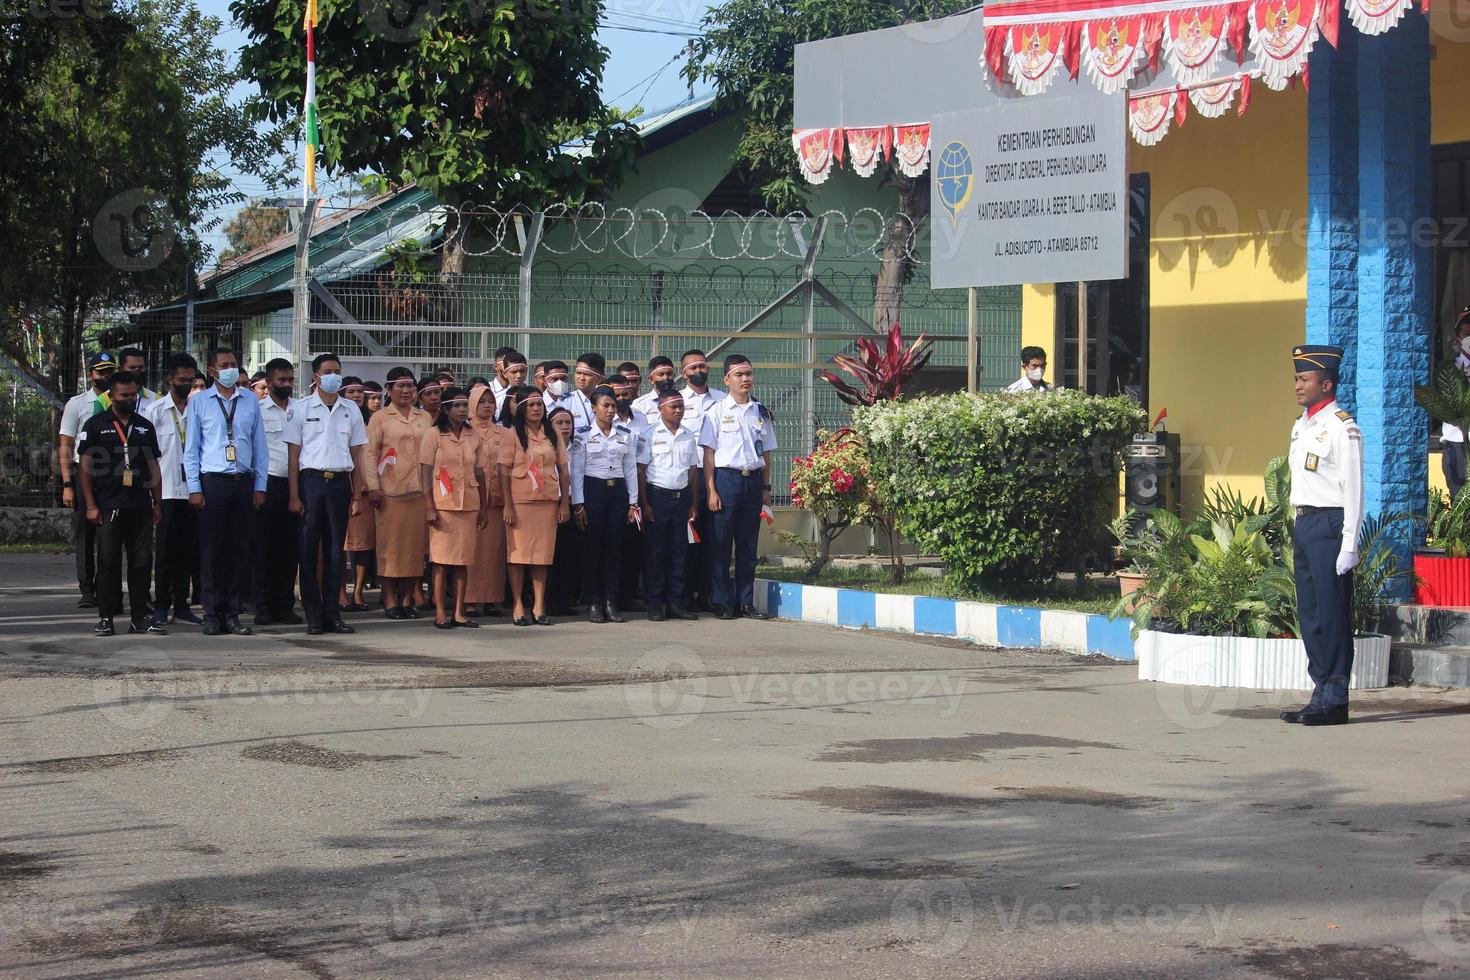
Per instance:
{"type": "Point", "coordinates": [1332, 199]}
{"type": "Point", "coordinates": [1394, 168]}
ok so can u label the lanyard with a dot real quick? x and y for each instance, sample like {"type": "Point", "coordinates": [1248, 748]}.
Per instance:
{"type": "Point", "coordinates": [229, 416]}
{"type": "Point", "coordinates": [122, 435]}
{"type": "Point", "coordinates": [177, 427]}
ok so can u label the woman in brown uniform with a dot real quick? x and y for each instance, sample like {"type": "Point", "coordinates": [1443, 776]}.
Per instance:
{"type": "Point", "coordinates": [396, 490]}
{"type": "Point", "coordinates": [485, 587]}
{"type": "Point", "coordinates": [454, 487]}
{"type": "Point", "coordinates": [533, 470]}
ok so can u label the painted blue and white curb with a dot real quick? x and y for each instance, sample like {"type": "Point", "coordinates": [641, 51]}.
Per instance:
{"type": "Point", "coordinates": [1020, 627]}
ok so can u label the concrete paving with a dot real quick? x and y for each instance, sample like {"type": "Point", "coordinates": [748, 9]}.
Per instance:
{"type": "Point", "coordinates": [706, 799]}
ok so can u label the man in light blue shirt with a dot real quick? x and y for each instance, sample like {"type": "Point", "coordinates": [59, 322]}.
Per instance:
{"type": "Point", "coordinates": [226, 467]}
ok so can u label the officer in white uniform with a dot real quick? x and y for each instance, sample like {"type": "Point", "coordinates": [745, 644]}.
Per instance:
{"type": "Point", "coordinates": [667, 476]}
{"type": "Point", "coordinates": [324, 435]}
{"type": "Point", "coordinates": [1326, 461]}
{"type": "Point", "coordinates": [660, 379]}
{"type": "Point", "coordinates": [737, 437]}
{"type": "Point", "coordinates": [559, 393]}
{"type": "Point", "coordinates": [604, 472]}
{"type": "Point", "coordinates": [176, 553]}
{"type": "Point", "coordinates": [699, 399]}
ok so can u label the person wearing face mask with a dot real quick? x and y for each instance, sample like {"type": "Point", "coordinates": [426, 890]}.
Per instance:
{"type": "Point", "coordinates": [395, 491]}
{"type": "Point", "coordinates": [1451, 440]}
{"type": "Point", "coordinates": [661, 378]}
{"type": "Point", "coordinates": [560, 394]}
{"type": "Point", "coordinates": [77, 411]}
{"type": "Point", "coordinates": [324, 439]}
{"type": "Point", "coordinates": [120, 485]}
{"type": "Point", "coordinates": [1033, 372]}
{"type": "Point", "coordinates": [175, 554]}
{"type": "Point", "coordinates": [699, 400]}
{"type": "Point", "coordinates": [278, 531]}
{"type": "Point", "coordinates": [226, 467]}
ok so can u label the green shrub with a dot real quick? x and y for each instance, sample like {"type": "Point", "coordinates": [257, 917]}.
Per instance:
{"type": "Point", "coordinates": [1008, 489]}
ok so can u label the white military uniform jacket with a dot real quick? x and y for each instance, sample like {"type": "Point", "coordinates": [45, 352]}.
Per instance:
{"type": "Point", "coordinates": [602, 455]}
{"type": "Point", "coordinates": [1326, 462]}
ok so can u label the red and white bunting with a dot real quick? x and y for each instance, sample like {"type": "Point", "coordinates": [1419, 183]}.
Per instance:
{"type": "Point", "coordinates": [911, 148]}
{"type": "Point", "coordinates": [1213, 100]}
{"type": "Point", "coordinates": [1033, 55]}
{"type": "Point", "coordinates": [1195, 39]}
{"type": "Point", "coordinates": [816, 149]}
{"type": "Point", "coordinates": [1114, 47]}
{"type": "Point", "coordinates": [1376, 16]}
{"type": "Point", "coordinates": [1282, 35]}
{"type": "Point", "coordinates": [1150, 116]}
{"type": "Point", "coordinates": [867, 146]}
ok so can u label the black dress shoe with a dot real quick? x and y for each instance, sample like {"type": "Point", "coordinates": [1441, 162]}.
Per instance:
{"type": "Point", "coordinates": [288, 618]}
{"type": "Point", "coordinates": [656, 614]}
{"type": "Point", "coordinates": [1325, 716]}
{"type": "Point", "coordinates": [337, 626]}
{"type": "Point", "coordinates": [613, 616]}
{"type": "Point", "coordinates": [448, 624]}
{"type": "Point", "coordinates": [104, 628]}
{"type": "Point", "coordinates": [409, 612]}
{"type": "Point", "coordinates": [186, 615]}
{"type": "Point", "coordinates": [212, 626]}
{"type": "Point", "coordinates": [521, 621]}
{"type": "Point", "coordinates": [679, 612]}
{"type": "Point", "coordinates": [393, 613]}
{"type": "Point", "coordinates": [1293, 716]}
{"type": "Point", "coordinates": [595, 613]}
{"type": "Point", "coordinates": [465, 624]}
{"type": "Point", "coordinates": [233, 625]}
{"type": "Point", "coordinates": [87, 602]}
{"type": "Point", "coordinates": [264, 619]}
{"type": "Point", "coordinates": [750, 612]}
{"type": "Point", "coordinates": [543, 621]}
{"type": "Point", "coordinates": [312, 629]}
{"type": "Point", "coordinates": [726, 612]}
{"type": "Point", "coordinates": [147, 626]}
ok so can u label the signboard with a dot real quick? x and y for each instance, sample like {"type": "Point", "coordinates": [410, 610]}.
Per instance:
{"type": "Point", "coordinates": [1028, 192]}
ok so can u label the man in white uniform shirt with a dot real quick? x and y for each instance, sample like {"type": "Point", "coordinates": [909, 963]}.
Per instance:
{"type": "Point", "coordinates": [667, 475]}
{"type": "Point", "coordinates": [560, 394]}
{"type": "Point", "coordinates": [324, 436]}
{"type": "Point", "coordinates": [1033, 373]}
{"type": "Point", "coordinates": [176, 554]}
{"type": "Point", "coordinates": [660, 379]}
{"type": "Point", "coordinates": [699, 399]}
{"type": "Point", "coordinates": [278, 543]}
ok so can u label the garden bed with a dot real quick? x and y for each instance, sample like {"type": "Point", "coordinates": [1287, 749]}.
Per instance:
{"type": "Point", "coordinates": [1098, 593]}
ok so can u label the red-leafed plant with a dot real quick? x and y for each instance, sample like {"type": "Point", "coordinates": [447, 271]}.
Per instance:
{"type": "Point", "coordinates": [880, 375]}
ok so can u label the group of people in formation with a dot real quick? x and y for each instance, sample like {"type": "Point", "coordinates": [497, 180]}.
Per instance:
{"type": "Point", "coordinates": [522, 494]}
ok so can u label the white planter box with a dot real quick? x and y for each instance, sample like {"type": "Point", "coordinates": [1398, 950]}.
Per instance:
{"type": "Point", "coordinates": [1242, 661]}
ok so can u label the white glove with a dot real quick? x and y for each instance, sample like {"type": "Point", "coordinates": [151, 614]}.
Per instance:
{"type": "Point", "coordinates": [1346, 561]}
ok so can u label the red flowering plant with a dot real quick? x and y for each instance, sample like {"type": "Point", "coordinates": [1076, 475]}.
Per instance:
{"type": "Point", "coordinates": [833, 484]}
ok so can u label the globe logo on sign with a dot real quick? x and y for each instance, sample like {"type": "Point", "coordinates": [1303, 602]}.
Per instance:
{"type": "Point", "coordinates": [955, 172]}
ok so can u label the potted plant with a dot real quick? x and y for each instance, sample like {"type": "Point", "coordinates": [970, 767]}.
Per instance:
{"type": "Point", "coordinates": [1217, 604]}
{"type": "Point", "coordinates": [1442, 566]}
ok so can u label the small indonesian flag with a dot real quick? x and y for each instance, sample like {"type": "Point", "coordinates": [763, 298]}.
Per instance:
{"type": "Point", "coordinates": [767, 516]}
{"type": "Point", "coordinates": [446, 485]}
{"type": "Point", "coordinates": [1163, 414]}
{"type": "Point", "coordinates": [390, 458]}
{"type": "Point", "coordinates": [693, 534]}
{"type": "Point", "coordinates": [638, 517]}
{"type": "Point", "coordinates": [534, 472]}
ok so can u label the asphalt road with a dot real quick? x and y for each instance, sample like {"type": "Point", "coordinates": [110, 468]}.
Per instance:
{"type": "Point", "coordinates": [762, 799]}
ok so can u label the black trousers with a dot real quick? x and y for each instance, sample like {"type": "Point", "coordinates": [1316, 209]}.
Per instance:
{"type": "Point", "coordinates": [564, 585]}
{"type": "Point", "coordinates": [631, 572]}
{"type": "Point", "coordinates": [175, 556]}
{"type": "Point", "coordinates": [602, 542]}
{"type": "Point", "coordinates": [696, 556]}
{"type": "Point", "coordinates": [1324, 602]}
{"type": "Point", "coordinates": [1452, 463]}
{"type": "Point", "coordinates": [130, 528]}
{"type": "Point", "coordinates": [85, 536]}
{"type": "Point", "coordinates": [277, 551]}
{"type": "Point", "coordinates": [324, 531]}
{"type": "Point", "coordinates": [665, 544]}
{"type": "Point", "coordinates": [224, 534]}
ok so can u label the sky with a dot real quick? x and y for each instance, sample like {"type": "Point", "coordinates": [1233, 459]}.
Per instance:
{"type": "Point", "coordinates": [645, 38]}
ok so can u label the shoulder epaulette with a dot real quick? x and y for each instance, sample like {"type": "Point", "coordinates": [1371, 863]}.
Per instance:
{"type": "Point", "coordinates": [765, 412]}
{"type": "Point", "coordinates": [621, 427]}
{"type": "Point", "coordinates": [1346, 417]}
{"type": "Point", "coordinates": [583, 428]}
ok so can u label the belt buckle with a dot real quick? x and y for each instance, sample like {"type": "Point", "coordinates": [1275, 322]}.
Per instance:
{"type": "Point", "coordinates": [612, 483]}
{"type": "Point", "coordinates": [327, 474]}
{"type": "Point", "coordinates": [745, 472]}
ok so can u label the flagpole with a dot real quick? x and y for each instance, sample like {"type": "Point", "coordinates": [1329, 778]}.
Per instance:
{"type": "Point", "coordinates": [301, 298]}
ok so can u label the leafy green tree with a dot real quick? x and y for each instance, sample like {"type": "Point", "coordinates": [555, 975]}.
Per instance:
{"type": "Point", "coordinates": [749, 49]}
{"type": "Point", "coordinates": [113, 119]}
{"type": "Point", "coordinates": [470, 98]}
{"type": "Point", "coordinates": [255, 225]}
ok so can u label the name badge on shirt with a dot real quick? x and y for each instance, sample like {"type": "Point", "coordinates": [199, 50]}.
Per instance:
{"type": "Point", "coordinates": [230, 453]}
{"type": "Point", "coordinates": [1311, 462]}
{"type": "Point", "coordinates": [127, 478]}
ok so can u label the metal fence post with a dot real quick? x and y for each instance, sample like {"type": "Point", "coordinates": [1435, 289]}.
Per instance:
{"type": "Point", "coordinates": [809, 345]}
{"type": "Point", "coordinates": [301, 306]}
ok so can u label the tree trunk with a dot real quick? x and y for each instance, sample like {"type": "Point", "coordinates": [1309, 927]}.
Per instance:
{"type": "Point", "coordinates": [827, 535]}
{"type": "Point", "coordinates": [893, 269]}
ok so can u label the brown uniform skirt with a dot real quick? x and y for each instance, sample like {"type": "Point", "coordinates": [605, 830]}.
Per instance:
{"type": "Point", "coordinates": [402, 537]}
{"type": "Point", "coordinates": [532, 541]}
{"type": "Point", "coordinates": [486, 580]}
{"type": "Point", "coordinates": [453, 541]}
{"type": "Point", "coordinates": [362, 529]}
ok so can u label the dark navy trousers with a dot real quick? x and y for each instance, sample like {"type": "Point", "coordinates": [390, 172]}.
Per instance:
{"type": "Point", "coordinates": [736, 524]}
{"type": "Point", "coordinates": [665, 543]}
{"type": "Point", "coordinates": [224, 529]}
{"type": "Point", "coordinates": [606, 502]}
{"type": "Point", "coordinates": [324, 530]}
{"type": "Point", "coordinates": [1324, 606]}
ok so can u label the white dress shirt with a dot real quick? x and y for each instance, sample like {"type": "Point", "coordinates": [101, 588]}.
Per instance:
{"type": "Point", "coordinates": [170, 424]}
{"type": "Point", "coordinates": [696, 406]}
{"type": "Point", "coordinates": [326, 435]}
{"type": "Point", "coordinates": [611, 455]}
{"type": "Point", "coordinates": [78, 409]}
{"type": "Point", "coordinates": [646, 406]}
{"type": "Point", "coordinates": [275, 433]}
{"type": "Point", "coordinates": [1447, 432]}
{"type": "Point", "coordinates": [669, 455]}
{"type": "Point", "coordinates": [575, 402]}
{"type": "Point", "coordinates": [1326, 459]}
{"type": "Point", "coordinates": [1023, 386]}
{"type": "Point", "coordinates": [739, 434]}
